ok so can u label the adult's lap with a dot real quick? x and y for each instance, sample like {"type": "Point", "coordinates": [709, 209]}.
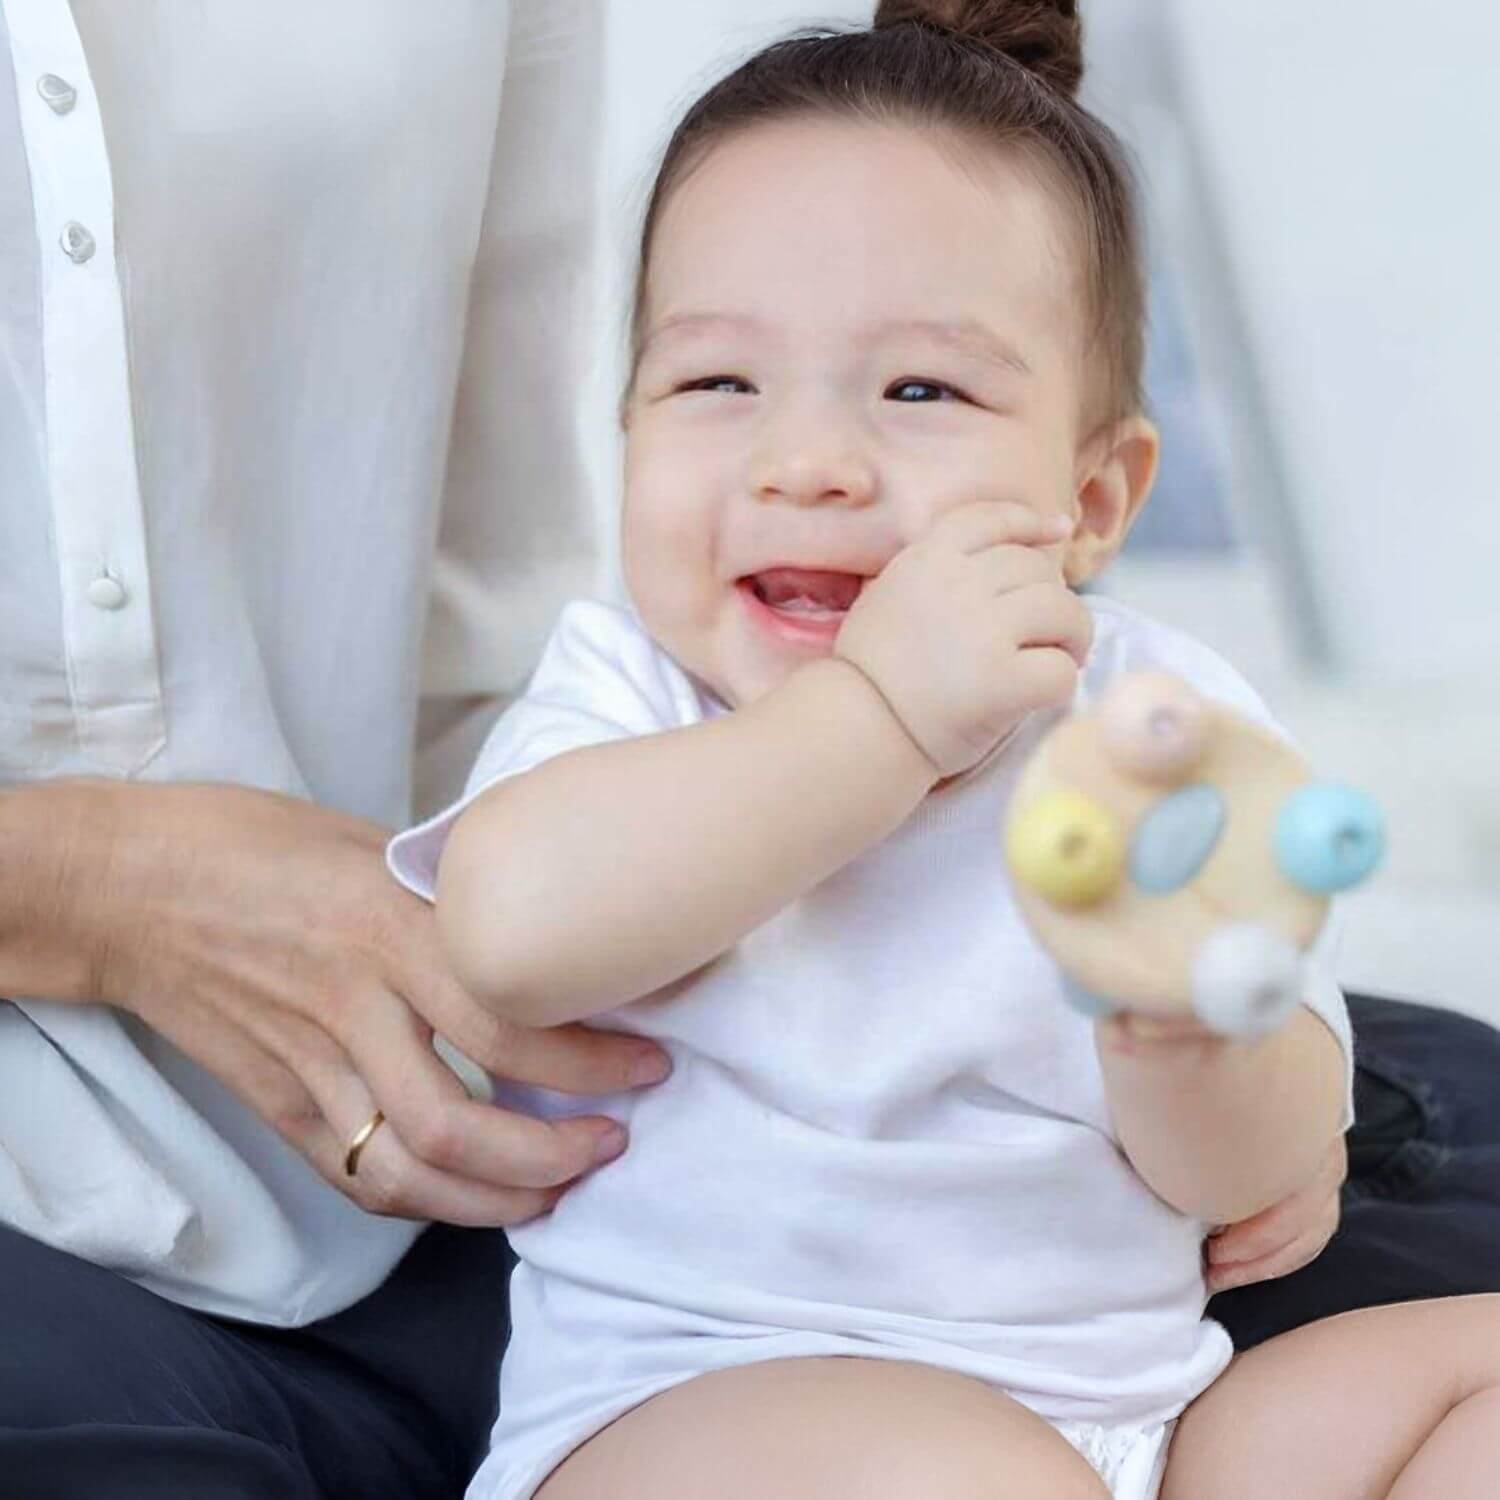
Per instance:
{"type": "Point", "coordinates": [1421, 1207]}
{"type": "Point", "coordinates": [108, 1391]}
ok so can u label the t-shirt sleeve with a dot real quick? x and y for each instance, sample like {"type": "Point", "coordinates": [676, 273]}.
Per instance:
{"type": "Point", "coordinates": [1126, 642]}
{"type": "Point", "coordinates": [600, 678]}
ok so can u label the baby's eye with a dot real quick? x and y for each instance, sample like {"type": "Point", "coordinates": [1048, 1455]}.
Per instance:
{"type": "Point", "coordinates": [912, 391]}
{"type": "Point", "coordinates": [727, 385]}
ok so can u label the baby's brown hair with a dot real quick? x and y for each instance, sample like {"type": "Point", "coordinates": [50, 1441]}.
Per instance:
{"type": "Point", "coordinates": [1000, 72]}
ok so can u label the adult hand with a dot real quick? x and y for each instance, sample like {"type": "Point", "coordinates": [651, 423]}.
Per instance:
{"type": "Point", "coordinates": [1283, 1238]}
{"type": "Point", "coordinates": [263, 937]}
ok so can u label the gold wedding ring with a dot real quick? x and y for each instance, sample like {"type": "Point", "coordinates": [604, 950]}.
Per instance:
{"type": "Point", "coordinates": [361, 1139]}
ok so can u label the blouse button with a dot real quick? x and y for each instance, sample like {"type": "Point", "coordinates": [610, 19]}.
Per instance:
{"type": "Point", "coordinates": [58, 94]}
{"type": "Point", "coordinates": [77, 242]}
{"type": "Point", "coordinates": [105, 592]}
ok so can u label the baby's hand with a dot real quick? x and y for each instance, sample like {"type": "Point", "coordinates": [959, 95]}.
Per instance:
{"type": "Point", "coordinates": [1283, 1238]}
{"type": "Point", "coordinates": [1130, 1034]}
{"type": "Point", "coordinates": [969, 629]}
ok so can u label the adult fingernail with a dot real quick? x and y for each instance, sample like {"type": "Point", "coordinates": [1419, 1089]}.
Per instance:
{"type": "Point", "coordinates": [650, 1067]}
{"type": "Point", "coordinates": [609, 1143]}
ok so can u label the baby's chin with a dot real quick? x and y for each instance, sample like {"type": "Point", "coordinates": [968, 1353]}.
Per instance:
{"type": "Point", "coordinates": [737, 689]}
{"type": "Point", "coordinates": [740, 683]}
{"type": "Point", "coordinates": [726, 656]}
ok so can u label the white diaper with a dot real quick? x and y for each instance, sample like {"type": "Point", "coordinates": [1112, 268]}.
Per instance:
{"type": "Point", "coordinates": [1130, 1460]}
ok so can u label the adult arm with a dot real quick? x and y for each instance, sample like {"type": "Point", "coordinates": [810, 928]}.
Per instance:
{"type": "Point", "coordinates": [263, 937]}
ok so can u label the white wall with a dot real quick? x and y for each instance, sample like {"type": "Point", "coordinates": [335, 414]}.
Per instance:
{"type": "Point", "coordinates": [1352, 147]}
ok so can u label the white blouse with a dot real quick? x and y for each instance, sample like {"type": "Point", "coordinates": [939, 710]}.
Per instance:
{"type": "Point", "coordinates": [285, 291]}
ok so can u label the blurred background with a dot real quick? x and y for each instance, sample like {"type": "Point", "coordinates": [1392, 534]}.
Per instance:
{"type": "Point", "coordinates": [1325, 238]}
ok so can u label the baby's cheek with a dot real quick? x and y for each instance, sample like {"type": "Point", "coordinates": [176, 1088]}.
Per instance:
{"type": "Point", "coordinates": [1016, 471]}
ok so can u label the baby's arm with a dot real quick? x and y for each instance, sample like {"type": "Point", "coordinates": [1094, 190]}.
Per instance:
{"type": "Point", "coordinates": [1109, 844]}
{"type": "Point", "coordinates": [612, 870]}
{"type": "Point", "coordinates": [1221, 1128]}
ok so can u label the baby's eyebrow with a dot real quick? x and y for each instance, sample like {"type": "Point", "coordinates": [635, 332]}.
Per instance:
{"type": "Point", "coordinates": [966, 335]}
{"type": "Point", "coordinates": [685, 324]}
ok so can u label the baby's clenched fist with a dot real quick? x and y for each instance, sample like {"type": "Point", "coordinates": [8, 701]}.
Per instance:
{"type": "Point", "coordinates": [969, 629]}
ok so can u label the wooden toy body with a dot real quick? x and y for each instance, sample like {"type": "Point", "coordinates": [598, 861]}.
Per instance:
{"type": "Point", "coordinates": [1151, 871]}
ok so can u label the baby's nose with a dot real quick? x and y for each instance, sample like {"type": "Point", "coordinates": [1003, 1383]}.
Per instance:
{"type": "Point", "coordinates": [814, 468]}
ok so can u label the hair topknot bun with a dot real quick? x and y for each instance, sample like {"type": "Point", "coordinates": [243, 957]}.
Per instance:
{"type": "Point", "coordinates": [1044, 36]}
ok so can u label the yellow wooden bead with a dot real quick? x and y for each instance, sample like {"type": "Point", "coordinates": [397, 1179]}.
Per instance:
{"type": "Point", "coordinates": [1068, 848]}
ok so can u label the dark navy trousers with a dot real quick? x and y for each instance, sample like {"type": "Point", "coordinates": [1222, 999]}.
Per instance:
{"type": "Point", "coordinates": [1421, 1208]}
{"type": "Point", "coordinates": [107, 1392]}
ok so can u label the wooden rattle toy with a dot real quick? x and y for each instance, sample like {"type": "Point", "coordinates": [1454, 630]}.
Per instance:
{"type": "Point", "coordinates": [1173, 857]}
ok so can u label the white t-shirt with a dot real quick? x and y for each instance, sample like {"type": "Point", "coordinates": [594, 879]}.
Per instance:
{"type": "Point", "coordinates": [886, 1133]}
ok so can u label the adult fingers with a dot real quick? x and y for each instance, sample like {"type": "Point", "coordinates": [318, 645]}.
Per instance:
{"type": "Point", "coordinates": [254, 1074]}
{"type": "Point", "coordinates": [577, 1059]}
{"type": "Point", "coordinates": [446, 1129]}
{"type": "Point", "coordinates": [572, 1059]}
{"type": "Point", "coordinates": [320, 1121]}
{"type": "Point", "coordinates": [390, 1179]}
{"type": "Point", "coordinates": [400, 1183]}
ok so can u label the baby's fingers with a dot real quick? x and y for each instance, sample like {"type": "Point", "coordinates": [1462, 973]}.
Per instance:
{"type": "Point", "coordinates": [1042, 677]}
{"type": "Point", "coordinates": [1047, 614]}
{"type": "Point", "coordinates": [993, 523]}
{"type": "Point", "coordinates": [1290, 1257]}
{"type": "Point", "coordinates": [1284, 1237]}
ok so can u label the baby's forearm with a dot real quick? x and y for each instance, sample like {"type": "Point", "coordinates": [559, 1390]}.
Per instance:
{"type": "Point", "coordinates": [613, 870]}
{"type": "Point", "coordinates": [1221, 1129]}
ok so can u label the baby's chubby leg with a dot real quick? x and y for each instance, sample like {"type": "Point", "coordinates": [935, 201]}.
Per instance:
{"type": "Point", "coordinates": [1400, 1401]}
{"type": "Point", "coordinates": [809, 1429]}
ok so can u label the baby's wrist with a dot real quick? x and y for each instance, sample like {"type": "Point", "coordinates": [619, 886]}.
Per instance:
{"type": "Point", "coordinates": [872, 692]}
{"type": "Point", "coordinates": [1131, 1034]}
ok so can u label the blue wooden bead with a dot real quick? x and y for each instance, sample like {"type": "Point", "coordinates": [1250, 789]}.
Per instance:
{"type": "Point", "coordinates": [1086, 1002]}
{"type": "Point", "coordinates": [1328, 837]}
{"type": "Point", "coordinates": [1173, 841]}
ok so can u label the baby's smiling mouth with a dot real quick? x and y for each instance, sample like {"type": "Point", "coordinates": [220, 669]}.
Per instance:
{"type": "Point", "coordinates": [811, 593]}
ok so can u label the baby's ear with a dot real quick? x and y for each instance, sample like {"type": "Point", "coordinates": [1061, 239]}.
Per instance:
{"type": "Point", "coordinates": [1116, 472]}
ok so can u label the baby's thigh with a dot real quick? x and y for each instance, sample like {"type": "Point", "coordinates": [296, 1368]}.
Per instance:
{"type": "Point", "coordinates": [1336, 1409]}
{"type": "Point", "coordinates": [807, 1429]}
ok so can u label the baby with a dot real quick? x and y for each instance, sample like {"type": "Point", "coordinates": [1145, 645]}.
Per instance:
{"type": "Point", "coordinates": [901, 1223]}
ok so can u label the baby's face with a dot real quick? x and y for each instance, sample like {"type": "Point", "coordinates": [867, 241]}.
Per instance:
{"type": "Point", "coordinates": [849, 330]}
